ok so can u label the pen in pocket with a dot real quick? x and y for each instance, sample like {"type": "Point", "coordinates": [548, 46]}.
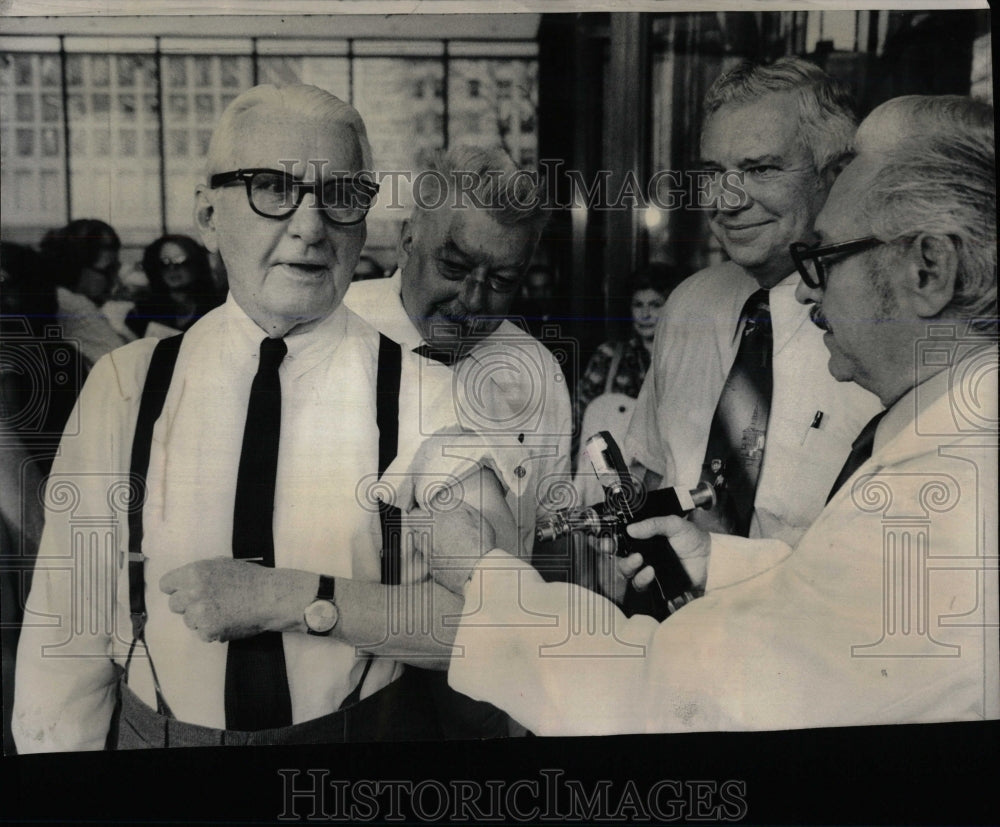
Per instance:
{"type": "Point", "coordinates": [817, 420]}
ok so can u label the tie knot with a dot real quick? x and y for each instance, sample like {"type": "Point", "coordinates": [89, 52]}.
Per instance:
{"type": "Point", "coordinates": [756, 312]}
{"type": "Point", "coordinates": [866, 439]}
{"type": "Point", "coordinates": [272, 351]}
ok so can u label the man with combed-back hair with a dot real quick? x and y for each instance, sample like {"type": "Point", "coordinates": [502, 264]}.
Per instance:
{"type": "Point", "coordinates": [779, 134]}
{"type": "Point", "coordinates": [886, 610]}
{"type": "Point", "coordinates": [462, 256]}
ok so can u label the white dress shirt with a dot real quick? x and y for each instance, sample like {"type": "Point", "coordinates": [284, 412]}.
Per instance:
{"type": "Point", "coordinates": [504, 405]}
{"type": "Point", "coordinates": [75, 622]}
{"type": "Point", "coordinates": [885, 612]}
{"type": "Point", "coordinates": [695, 346]}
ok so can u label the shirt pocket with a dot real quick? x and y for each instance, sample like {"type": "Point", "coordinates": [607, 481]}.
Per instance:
{"type": "Point", "coordinates": [800, 465]}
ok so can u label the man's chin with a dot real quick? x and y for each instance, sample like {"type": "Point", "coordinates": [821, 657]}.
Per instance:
{"type": "Point", "coordinates": [839, 367]}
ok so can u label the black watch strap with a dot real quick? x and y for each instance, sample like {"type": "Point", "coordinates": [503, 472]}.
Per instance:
{"type": "Point", "coordinates": [325, 589]}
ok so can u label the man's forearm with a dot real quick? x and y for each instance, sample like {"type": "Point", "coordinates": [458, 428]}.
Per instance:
{"type": "Point", "coordinates": [414, 623]}
{"type": "Point", "coordinates": [406, 622]}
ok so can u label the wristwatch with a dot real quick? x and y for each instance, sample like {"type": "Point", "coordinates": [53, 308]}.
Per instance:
{"type": "Point", "coordinates": [322, 615]}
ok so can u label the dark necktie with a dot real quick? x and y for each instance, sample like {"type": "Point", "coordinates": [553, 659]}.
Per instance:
{"type": "Point", "coordinates": [736, 440]}
{"type": "Point", "coordinates": [445, 356]}
{"type": "Point", "coordinates": [257, 694]}
{"type": "Point", "coordinates": [861, 452]}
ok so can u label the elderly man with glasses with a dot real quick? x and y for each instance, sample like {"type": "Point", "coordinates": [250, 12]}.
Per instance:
{"type": "Point", "coordinates": [463, 255]}
{"type": "Point", "coordinates": [886, 609]}
{"type": "Point", "coordinates": [214, 474]}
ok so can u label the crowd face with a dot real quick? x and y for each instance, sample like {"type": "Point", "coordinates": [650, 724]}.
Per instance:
{"type": "Point", "coordinates": [782, 190]}
{"type": "Point", "coordinates": [647, 304]}
{"type": "Point", "coordinates": [175, 268]}
{"type": "Point", "coordinates": [98, 277]}
{"type": "Point", "coordinates": [859, 308]}
{"type": "Point", "coordinates": [292, 271]}
{"type": "Point", "coordinates": [461, 271]}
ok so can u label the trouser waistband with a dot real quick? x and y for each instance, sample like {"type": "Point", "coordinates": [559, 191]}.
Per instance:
{"type": "Point", "coordinates": [397, 712]}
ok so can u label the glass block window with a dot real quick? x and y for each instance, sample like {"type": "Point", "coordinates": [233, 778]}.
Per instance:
{"type": "Point", "coordinates": [493, 103]}
{"type": "Point", "coordinates": [33, 184]}
{"type": "Point", "coordinates": [196, 89]}
{"type": "Point", "coordinates": [136, 169]}
{"type": "Point", "coordinates": [114, 171]}
{"type": "Point", "coordinates": [330, 73]}
{"type": "Point", "coordinates": [402, 103]}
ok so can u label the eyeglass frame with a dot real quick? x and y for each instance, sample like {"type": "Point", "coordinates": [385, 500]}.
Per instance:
{"type": "Point", "coordinates": [225, 179]}
{"type": "Point", "coordinates": [802, 253]}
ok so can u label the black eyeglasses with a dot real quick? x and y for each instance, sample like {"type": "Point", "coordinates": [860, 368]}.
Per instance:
{"type": "Point", "coordinates": [275, 194]}
{"type": "Point", "coordinates": [809, 258]}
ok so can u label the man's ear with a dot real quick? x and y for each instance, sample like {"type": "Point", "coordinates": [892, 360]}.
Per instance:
{"type": "Point", "coordinates": [931, 273]}
{"type": "Point", "coordinates": [204, 218]}
{"type": "Point", "coordinates": [405, 243]}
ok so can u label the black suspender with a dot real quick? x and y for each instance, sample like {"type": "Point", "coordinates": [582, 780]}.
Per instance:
{"type": "Point", "coordinates": [390, 359]}
{"type": "Point", "coordinates": [390, 362]}
{"type": "Point", "coordinates": [154, 393]}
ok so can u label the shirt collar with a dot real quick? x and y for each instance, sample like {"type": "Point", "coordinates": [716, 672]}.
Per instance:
{"type": "Point", "coordinates": [305, 350]}
{"type": "Point", "coordinates": [393, 319]}
{"type": "Point", "coordinates": [787, 314]}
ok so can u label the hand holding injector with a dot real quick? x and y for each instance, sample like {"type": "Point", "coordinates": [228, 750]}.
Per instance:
{"type": "Point", "coordinates": [625, 502]}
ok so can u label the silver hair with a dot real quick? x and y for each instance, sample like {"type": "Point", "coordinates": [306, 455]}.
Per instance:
{"type": "Point", "coordinates": [940, 179]}
{"type": "Point", "coordinates": [306, 102]}
{"type": "Point", "coordinates": [825, 108]}
{"type": "Point", "coordinates": [489, 178]}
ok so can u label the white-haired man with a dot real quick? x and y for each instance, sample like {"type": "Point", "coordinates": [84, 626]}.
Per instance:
{"type": "Point", "coordinates": [245, 442]}
{"type": "Point", "coordinates": [886, 610]}
{"type": "Point", "coordinates": [738, 378]}
{"type": "Point", "coordinates": [462, 256]}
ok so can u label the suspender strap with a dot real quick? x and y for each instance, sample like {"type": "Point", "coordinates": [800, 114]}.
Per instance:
{"type": "Point", "coordinates": [390, 367]}
{"type": "Point", "coordinates": [154, 393]}
{"type": "Point", "coordinates": [390, 361]}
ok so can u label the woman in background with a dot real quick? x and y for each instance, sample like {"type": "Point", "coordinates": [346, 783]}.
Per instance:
{"type": "Point", "coordinates": [619, 366]}
{"type": "Point", "coordinates": [82, 258]}
{"type": "Point", "coordinates": [181, 288]}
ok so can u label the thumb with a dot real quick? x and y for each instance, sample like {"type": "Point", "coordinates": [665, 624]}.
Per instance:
{"type": "Point", "coordinates": [663, 526]}
{"type": "Point", "coordinates": [685, 537]}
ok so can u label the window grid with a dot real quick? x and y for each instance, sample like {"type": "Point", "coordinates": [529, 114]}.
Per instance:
{"type": "Point", "coordinates": [31, 138]}
{"type": "Point", "coordinates": [114, 143]}
{"type": "Point", "coordinates": [196, 89]}
{"type": "Point", "coordinates": [412, 105]}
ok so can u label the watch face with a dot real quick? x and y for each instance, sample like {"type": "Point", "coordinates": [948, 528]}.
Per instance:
{"type": "Point", "coordinates": [321, 616]}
